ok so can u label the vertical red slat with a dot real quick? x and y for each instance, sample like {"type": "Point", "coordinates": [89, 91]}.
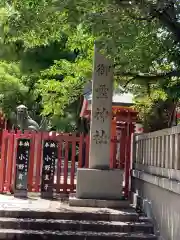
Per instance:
{"type": "Point", "coordinates": [5, 124]}
{"type": "Point", "coordinates": [1, 134]}
{"type": "Point", "coordinates": [73, 162]}
{"type": "Point", "coordinates": [9, 163]}
{"type": "Point", "coordinates": [7, 141]}
{"type": "Point", "coordinates": [38, 162]}
{"type": "Point", "coordinates": [3, 160]}
{"type": "Point", "coordinates": [66, 164]}
{"type": "Point", "coordinates": [130, 129]}
{"type": "Point", "coordinates": [31, 161]}
{"type": "Point", "coordinates": [81, 141]}
{"type": "Point", "coordinates": [126, 159]}
{"type": "Point", "coordinates": [122, 148]}
{"type": "Point", "coordinates": [59, 164]}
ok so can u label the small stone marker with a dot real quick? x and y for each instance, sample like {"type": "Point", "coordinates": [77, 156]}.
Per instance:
{"type": "Point", "coordinates": [50, 156]}
{"type": "Point", "coordinates": [22, 164]}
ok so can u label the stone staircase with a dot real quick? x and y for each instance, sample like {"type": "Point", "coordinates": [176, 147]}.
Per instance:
{"type": "Point", "coordinates": [74, 223]}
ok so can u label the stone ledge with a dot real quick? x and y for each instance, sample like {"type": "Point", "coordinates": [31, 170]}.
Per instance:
{"type": "Point", "coordinates": [160, 133]}
{"type": "Point", "coordinates": [77, 202]}
{"type": "Point", "coordinates": [173, 174]}
{"type": "Point", "coordinates": [165, 183]}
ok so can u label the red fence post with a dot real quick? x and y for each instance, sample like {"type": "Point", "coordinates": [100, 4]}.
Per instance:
{"type": "Point", "coordinates": [31, 161]}
{"type": "Point", "coordinates": [73, 163]}
{"type": "Point", "coordinates": [1, 136]}
{"type": "Point", "coordinates": [130, 130]}
{"type": "Point", "coordinates": [81, 145]}
{"type": "Point", "coordinates": [122, 148]}
{"type": "Point", "coordinates": [66, 164]}
{"type": "Point", "coordinates": [9, 162]}
{"type": "Point", "coordinates": [3, 159]}
{"type": "Point", "coordinates": [38, 162]}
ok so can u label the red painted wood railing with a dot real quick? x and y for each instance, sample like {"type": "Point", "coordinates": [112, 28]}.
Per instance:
{"type": "Point", "coordinates": [65, 170]}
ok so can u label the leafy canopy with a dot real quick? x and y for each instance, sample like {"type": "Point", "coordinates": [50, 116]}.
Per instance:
{"type": "Point", "coordinates": [51, 43]}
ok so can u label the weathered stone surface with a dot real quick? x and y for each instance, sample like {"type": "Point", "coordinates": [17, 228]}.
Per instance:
{"type": "Point", "coordinates": [73, 201]}
{"type": "Point", "coordinates": [44, 219]}
{"type": "Point", "coordinates": [99, 184]}
{"type": "Point", "coordinates": [101, 114]}
{"type": "Point", "coordinates": [66, 235]}
{"type": "Point", "coordinates": [78, 225]}
{"type": "Point", "coordinates": [24, 121]}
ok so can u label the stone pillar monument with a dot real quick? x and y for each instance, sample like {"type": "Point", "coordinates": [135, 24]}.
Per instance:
{"type": "Point", "coordinates": [101, 113]}
{"type": "Point", "coordinates": [100, 182]}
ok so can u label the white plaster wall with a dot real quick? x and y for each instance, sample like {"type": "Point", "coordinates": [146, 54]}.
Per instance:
{"type": "Point", "coordinates": [163, 205]}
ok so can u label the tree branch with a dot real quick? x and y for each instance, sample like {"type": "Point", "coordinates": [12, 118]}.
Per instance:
{"type": "Point", "coordinates": [149, 17]}
{"type": "Point", "coordinates": [174, 73]}
{"type": "Point", "coordinates": [142, 18]}
{"type": "Point", "coordinates": [149, 77]}
{"type": "Point", "coordinates": [165, 12]}
{"type": "Point", "coordinates": [129, 81]}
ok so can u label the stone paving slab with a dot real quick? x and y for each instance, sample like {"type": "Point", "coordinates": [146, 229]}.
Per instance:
{"type": "Point", "coordinates": [77, 225]}
{"type": "Point", "coordinates": [8, 202]}
{"type": "Point", "coordinates": [21, 234]}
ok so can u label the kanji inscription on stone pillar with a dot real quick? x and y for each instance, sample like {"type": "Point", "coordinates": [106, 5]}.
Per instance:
{"type": "Point", "coordinates": [101, 113]}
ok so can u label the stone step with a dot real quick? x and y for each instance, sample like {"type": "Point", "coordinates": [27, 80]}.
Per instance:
{"type": "Point", "coordinates": [145, 219]}
{"type": "Point", "coordinates": [65, 225]}
{"type": "Point", "coordinates": [73, 214]}
{"type": "Point", "coordinates": [97, 203]}
{"type": "Point", "coordinates": [12, 234]}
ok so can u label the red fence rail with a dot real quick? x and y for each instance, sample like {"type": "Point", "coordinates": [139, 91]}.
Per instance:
{"type": "Point", "coordinates": [73, 152]}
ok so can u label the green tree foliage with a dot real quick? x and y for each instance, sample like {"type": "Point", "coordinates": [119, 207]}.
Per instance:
{"type": "Point", "coordinates": [51, 43]}
{"type": "Point", "coordinates": [12, 90]}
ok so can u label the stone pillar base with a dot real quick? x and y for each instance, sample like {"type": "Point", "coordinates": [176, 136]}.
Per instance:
{"type": "Point", "coordinates": [96, 203]}
{"type": "Point", "coordinates": [99, 184]}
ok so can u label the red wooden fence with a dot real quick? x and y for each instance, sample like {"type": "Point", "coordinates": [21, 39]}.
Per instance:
{"type": "Point", "coordinates": [65, 169]}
